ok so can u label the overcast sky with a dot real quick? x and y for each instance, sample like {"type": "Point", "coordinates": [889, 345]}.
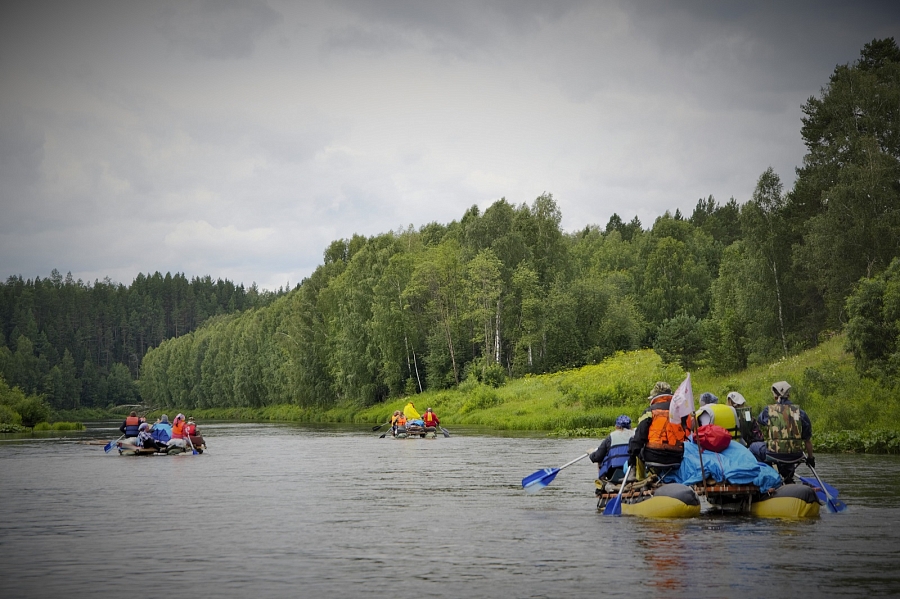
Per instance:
{"type": "Point", "coordinates": [238, 139]}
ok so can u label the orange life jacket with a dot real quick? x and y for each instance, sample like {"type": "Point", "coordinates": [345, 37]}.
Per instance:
{"type": "Point", "coordinates": [401, 420]}
{"type": "Point", "coordinates": [664, 435]}
{"type": "Point", "coordinates": [178, 430]}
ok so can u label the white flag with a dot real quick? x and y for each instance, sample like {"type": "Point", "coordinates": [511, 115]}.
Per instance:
{"type": "Point", "coordinates": [682, 402]}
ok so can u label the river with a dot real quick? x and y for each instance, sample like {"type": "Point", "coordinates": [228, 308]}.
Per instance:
{"type": "Point", "coordinates": [334, 511]}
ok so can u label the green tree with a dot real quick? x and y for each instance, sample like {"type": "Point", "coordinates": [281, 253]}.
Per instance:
{"type": "Point", "coordinates": [32, 410]}
{"type": "Point", "coordinates": [121, 387]}
{"type": "Point", "coordinates": [847, 196]}
{"type": "Point", "coordinates": [873, 330]}
{"type": "Point", "coordinates": [765, 229]}
{"type": "Point", "coordinates": [679, 341]}
{"type": "Point", "coordinates": [483, 291]}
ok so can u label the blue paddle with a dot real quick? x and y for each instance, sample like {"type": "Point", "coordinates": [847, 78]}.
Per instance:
{"type": "Point", "coordinates": [834, 505]}
{"type": "Point", "coordinates": [812, 482]}
{"type": "Point", "coordinates": [540, 479]}
{"type": "Point", "coordinates": [112, 444]}
{"type": "Point", "coordinates": [614, 507]}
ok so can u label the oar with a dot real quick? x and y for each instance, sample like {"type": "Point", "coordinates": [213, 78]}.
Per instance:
{"type": "Point", "coordinates": [375, 428]}
{"type": "Point", "coordinates": [384, 434]}
{"type": "Point", "coordinates": [445, 431]}
{"type": "Point", "coordinates": [112, 444]}
{"type": "Point", "coordinates": [812, 482]}
{"type": "Point", "coordinates": [614, 507]}
{"type": "Point", "coordinates": [191, 443]}
{"type": "Point", "coordinates": [540, 479]}
{"type": "Point", "coordinates": [834, 505]}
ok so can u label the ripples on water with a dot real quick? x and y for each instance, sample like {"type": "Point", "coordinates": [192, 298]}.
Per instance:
{"type": "Point", "coordinates": [290, 511]}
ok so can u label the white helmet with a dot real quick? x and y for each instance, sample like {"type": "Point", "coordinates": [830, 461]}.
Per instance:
{"type": "Point", "coordinates": [781, 389]}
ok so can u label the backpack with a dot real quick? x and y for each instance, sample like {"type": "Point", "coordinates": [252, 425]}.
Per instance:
{"type": "Point", "coordinates": [713, 437]}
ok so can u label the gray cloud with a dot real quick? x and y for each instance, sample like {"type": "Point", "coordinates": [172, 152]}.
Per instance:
{"type": "Point", "coordinates": [240, 139]}
{"type": "Point", "coordinates": [217, 29]}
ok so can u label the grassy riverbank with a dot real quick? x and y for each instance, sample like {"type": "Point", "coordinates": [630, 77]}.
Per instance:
{"type": "Point", "coordinates": [848, 413]}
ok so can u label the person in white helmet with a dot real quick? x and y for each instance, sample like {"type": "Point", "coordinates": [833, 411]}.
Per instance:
{"type": "Point", "coordinates": [788, 432]}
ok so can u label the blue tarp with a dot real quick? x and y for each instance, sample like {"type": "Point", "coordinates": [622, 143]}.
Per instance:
{"type": "Point", "coordinates": [735, 464]}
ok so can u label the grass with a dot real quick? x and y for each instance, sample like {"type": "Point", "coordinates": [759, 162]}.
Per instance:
{"type": "Point", "coordinates": [848, 413]}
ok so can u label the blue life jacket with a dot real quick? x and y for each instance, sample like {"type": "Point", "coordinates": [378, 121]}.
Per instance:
{"type": "Point", "coordinates": [161, 432]}
{"type": "Point", "coordinates": [131, 428]}
{"type": "Point", "coordinates": [616, 457]}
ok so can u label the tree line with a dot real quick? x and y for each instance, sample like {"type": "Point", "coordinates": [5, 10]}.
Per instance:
{"type": "Point", "coordinates": [505, 292]}
{"type": "Point", "coordinates": [78, 344]}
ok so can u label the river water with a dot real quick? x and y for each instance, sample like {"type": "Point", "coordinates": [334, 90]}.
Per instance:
{"type": "Point", "coordinates": [319, 512]}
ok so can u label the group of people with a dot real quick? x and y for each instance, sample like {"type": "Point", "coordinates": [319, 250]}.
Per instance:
{"type": "Point", "coordinates": [409, 420]}
{"type": "Point", "coordinates": [160, 436]}
{"type": "Point", "coordinates": [780, 435]}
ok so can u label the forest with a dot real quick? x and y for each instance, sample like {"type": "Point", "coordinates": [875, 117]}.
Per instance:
{"type": "Point", "coordinates": [506, 293]}
{"type": "Point", "coordinates": [81, 345]}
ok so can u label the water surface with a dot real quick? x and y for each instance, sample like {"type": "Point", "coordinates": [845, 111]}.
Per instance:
{"type": "Point", "coordinates": [299, 511]}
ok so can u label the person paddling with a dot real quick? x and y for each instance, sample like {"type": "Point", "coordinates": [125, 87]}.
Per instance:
{"type": "Point", "coordinates": [612, 454]}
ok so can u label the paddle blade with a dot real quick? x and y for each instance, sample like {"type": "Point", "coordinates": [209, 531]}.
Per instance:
{"type": "Point", "coordinates": [108, 446]}
{"type": "Point", "coordinates": [826, 494]}
{"type": "Point", "coordinates": [811, 482]}
{"type": "Point", "coordinates": [445, 431]}
{"type": "Point", "coordinates": [614, 507]}
{"type": "Point", "coordinates": [540, 479]}
{"type": "Point", "coordinates": [375, 428]}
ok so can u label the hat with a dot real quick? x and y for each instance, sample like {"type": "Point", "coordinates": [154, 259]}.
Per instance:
{"type": "Point", "coordinates": [736, 398]}
{"type": "Point", "coordinates": [164, 418]}
{"type": "Point", "coordinates": [781, 389]}
{"type": "Point", "coordinates": [660, 388]}
{"type": "Point", "coordinates": [427, 409]}
{"type": "Point", "coordinates": [144, 426]}
{"type": "Point", "coordinates": [623, 421]}
{"type": "Point", "coordinates": [179, 417]}
{"type": "Point", "coordinates": [708, 398]}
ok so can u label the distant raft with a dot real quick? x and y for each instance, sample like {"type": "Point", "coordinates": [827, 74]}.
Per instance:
{"type": "Point", "coordinates": [127, 449]}
{"type": "Point", "coordinates": [415, 431]}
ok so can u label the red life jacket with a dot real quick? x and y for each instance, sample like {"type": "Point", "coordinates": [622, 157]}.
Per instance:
{"type": "Point", "coordinates": [430, 419]}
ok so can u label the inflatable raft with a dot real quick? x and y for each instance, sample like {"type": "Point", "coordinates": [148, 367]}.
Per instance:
{"type": "Point", "coordinates": [672, 500]}
{"type": "Point", "coordinates": [127, 449]}
{"type": "Point", "coordinates": [787, 501]}
{"type": "Point", "coordinates": [416, 432]}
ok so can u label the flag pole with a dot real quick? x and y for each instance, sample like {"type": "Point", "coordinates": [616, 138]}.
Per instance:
{"type": "Point", "coordinates": [700, 453]}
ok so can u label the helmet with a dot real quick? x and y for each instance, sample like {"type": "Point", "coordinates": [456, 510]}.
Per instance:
{"type": "Point", "coordinates": [660, 388]}
{"type": "Point", "coordinates": [708, 398]}
{"type": "Point", "coordinates": [781, 389]}
{"type": "Point", "coordinates": [623, 421]}
{"type": "Point", "coordinates": [736, 398]}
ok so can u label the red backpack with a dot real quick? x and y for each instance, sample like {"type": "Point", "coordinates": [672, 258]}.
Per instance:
{"type": "Point", "coordinates": [713, 438]}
